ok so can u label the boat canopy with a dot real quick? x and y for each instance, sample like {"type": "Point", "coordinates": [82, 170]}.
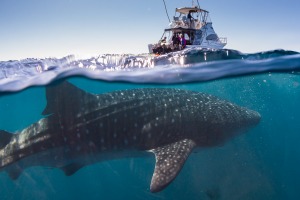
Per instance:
{"type": "Point", "coordinates": [186, 10]}
{"type": "Point", "coordinates": [179, 29]}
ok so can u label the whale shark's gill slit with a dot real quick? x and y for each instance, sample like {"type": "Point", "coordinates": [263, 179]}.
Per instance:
{"type": "Point", "coordinates": [103, 115]}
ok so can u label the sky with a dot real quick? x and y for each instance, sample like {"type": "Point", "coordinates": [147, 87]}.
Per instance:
{"type": "Point", "coordinates": [57, 28]}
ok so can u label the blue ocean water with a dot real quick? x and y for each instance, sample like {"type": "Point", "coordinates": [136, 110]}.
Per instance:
{"type": "Point", "coordinates": [263, 163]}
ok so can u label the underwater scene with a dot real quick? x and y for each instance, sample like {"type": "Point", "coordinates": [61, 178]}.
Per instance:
{"type": "Point", "coordinates": [195, 124]}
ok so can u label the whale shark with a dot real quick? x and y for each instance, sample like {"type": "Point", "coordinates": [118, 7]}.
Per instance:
{"type": "Point", "coordinates": [81, 128]}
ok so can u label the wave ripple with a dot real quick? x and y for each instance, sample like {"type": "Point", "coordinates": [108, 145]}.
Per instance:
{"type": "Point", "coordinates": [185, 66]}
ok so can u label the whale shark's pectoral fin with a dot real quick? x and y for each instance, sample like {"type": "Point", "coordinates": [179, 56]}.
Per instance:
{"type": "Point", "coordinates": [71, 168]}
{"type": "Point", "coordinates": [14, 172]}
{"type": "Point", "coordinates": [169, 161]}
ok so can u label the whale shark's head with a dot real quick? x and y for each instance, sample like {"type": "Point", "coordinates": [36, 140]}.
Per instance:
{"type": "Point", "coordinates": [253, 117]}
{"type": "Point", "coordinates": [222, 120]}
{"type": "Point", "coordinates": [244, 120]}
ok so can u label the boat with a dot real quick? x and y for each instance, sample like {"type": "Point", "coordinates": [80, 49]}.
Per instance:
{"type": "Point", "coordinates": [194, 24]}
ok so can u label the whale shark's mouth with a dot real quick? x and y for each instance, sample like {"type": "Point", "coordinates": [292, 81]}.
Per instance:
{"type": "Point", "coordinates": [253, 116]}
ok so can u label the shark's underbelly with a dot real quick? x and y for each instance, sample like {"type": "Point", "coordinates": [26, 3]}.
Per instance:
{"type": "Point", "coordinates": [62, 157]}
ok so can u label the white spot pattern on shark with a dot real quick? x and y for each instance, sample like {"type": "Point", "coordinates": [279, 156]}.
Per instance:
{"type": "Point", "coordinates": [79, 128]}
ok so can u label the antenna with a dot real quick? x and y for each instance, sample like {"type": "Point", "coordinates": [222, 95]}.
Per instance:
{"type": "Point", "coordinates": [167, 11]}
{"type": "Point", "coordinates": [195, 4]}
{"type": "Point", "coordinates": [198, 4]}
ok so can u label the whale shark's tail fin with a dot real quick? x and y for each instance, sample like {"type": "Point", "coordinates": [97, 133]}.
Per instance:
{"type": "Point", "coordinates": [14, 171]}
{"type": "Point", "coordinates": [5, 138]}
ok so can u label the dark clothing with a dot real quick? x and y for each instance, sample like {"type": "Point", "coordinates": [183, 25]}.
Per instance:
{"type": "Point", "coordinates": [183, 43]}
{"type": "Point", "coordinates": [190, 18]}
{"type": "Point", "coordinates": [175, 40]}
{"type": "Point", "coordinates": [161, 50]}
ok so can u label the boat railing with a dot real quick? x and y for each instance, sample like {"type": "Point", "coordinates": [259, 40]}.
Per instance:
{"type": "Point", "coordinates": [223, 40]}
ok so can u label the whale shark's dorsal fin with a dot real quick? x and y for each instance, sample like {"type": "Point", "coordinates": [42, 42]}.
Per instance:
{"type": "Point", "coordinates": [169, 161]}
{"type": "Point", "coordinates": [65, 97]}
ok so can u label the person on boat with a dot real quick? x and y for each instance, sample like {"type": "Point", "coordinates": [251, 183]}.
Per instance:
{"type": "Point", "coordinates": [190, 18]}
{"type": "Point", "coordinates": [175, 41]}
{"type": "Point", "coordinates": [161, 49]}
{"type": "Point", "coordinates": [166, 49]}
{"type": "Point", "coordinates": [182, 41]}
{"type": "Point", "coordinates": [164, 40]}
